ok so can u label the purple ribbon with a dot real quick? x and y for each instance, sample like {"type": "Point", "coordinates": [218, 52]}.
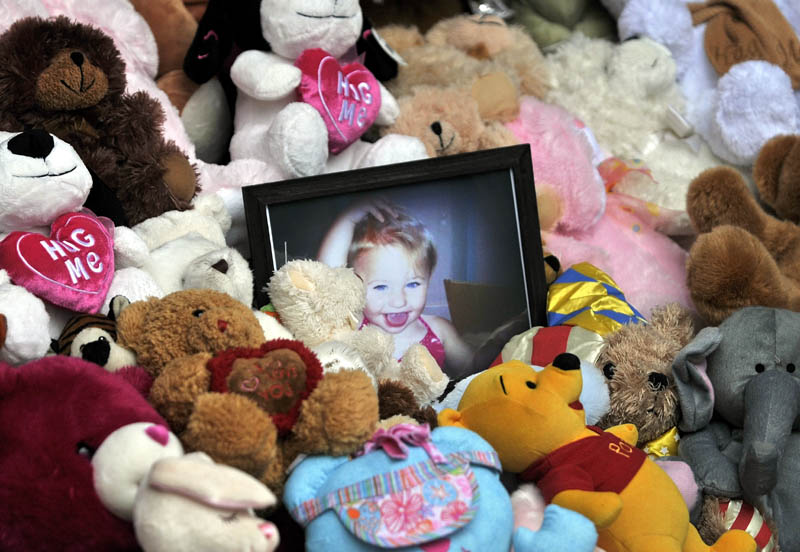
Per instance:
{"type": "Point", "coordinates": [395, 440]}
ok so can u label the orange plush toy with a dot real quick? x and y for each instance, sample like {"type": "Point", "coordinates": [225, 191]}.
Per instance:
{"type": "Point", "coordinates": [600, 474]}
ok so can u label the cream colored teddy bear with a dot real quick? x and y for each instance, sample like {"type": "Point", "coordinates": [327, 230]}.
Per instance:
{"type": "Point", "coordinates": [323, 307]}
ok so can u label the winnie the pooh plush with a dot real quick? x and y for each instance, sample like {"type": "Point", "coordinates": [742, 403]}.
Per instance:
{"type": "Point", "coordinates": [600, 474]}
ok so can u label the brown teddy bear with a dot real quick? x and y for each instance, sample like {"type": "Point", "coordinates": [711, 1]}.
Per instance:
{"type": "Point", "coordinates": [637, 360]}
{"type": "Point", "coordinates": [68, 78]}
{"type": "Point", "coordinates": [743, 255]}
{"type": "Point", "coordinates": [448, 121]}
{"type": "Point", "coordinates": [251, 405]}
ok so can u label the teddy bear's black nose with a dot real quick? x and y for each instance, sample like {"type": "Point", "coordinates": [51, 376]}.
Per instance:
{"type": "Point", "coordinates": [567, 361]}
{"type": "Point", "coordinates": [31, 143]}
{"type": "Point", "coordinates": [436, 127]}
{"type": "Point", "coordinates": [658, 381]}
{"type": "Point", "coordinates": [96, 351]}
{"type": "Point", "coordinates": [77, 58]}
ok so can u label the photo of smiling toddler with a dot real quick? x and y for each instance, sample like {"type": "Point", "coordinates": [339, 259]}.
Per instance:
{"type": "Point", "coordinates": [393, 253]}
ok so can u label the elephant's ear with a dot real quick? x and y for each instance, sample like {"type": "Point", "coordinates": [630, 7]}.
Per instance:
{"type": "Point", "coordinates": [695, 392]}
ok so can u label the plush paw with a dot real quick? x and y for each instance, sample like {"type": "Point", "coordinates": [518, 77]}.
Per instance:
{"type": "Point", "coordinates": [179, 178]}
{"type": "Point", "coordinates": [719, 274]}
{"type": "Point", "coordinates": [298, 140]}
{"type": "Point", "coordinates": [754, 101]}
{"type": "Point", "coordinates": [420, 371]}
{"type": "Point", "coordinates": [26, 334]}
{"type": "Point", "coordinates": [394, 148]}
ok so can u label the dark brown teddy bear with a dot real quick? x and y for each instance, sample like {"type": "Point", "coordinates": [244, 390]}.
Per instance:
{"type": "Point", "coordinates": [248, 404]}
{"type": "Point", "coordinates": [743, 255]}
{"type": "Point", "coordinates": [69, 79]}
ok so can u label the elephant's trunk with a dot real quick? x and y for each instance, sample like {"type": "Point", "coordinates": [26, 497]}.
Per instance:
{"type": "Point", "coordinates": [771, 407]}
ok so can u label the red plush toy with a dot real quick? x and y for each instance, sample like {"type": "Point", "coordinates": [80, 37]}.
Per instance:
{"type": "Point", "coordinates": [54, 413]}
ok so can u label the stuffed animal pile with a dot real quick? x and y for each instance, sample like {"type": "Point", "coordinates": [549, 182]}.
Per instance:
{"type": "Point", "coordinates": [161, 390]}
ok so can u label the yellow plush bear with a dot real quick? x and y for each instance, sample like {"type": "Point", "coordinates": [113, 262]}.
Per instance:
{"type": "Point", "coordinates": [537, 426]}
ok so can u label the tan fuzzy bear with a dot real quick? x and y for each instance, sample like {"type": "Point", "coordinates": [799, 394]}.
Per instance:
{"type": "Point", "coordinates": [448, 121]}
{"type": "Point", "coordinates": [458, 49]}
{"type": "Point", "coordinates": [322, 306]}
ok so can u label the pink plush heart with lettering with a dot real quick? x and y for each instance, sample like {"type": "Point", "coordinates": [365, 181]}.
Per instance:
{"type": "Point", "coordinates": [348, 98]}
{"type": "Point", "coordinates": [71, 268]}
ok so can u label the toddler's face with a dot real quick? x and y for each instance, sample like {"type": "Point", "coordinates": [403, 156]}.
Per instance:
{"type": "Point", "coordinates": [396, 289]}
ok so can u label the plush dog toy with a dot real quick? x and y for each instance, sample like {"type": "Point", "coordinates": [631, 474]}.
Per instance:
{"type": "Point", "coordinates": [302, 107]}
{"type": "Point", "coordinates": [601, 474]}
{"type": "Point", "coordinates": [745, 256]}
{"type": "Point", "coordinates": [73, 85]}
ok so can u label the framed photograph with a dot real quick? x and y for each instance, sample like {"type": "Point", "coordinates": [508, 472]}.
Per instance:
{"type": "Point", "coordinates": [444, 244]}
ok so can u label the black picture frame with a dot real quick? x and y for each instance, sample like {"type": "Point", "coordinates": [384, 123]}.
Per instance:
{"type": "Point", "coordinates": [512, 161]}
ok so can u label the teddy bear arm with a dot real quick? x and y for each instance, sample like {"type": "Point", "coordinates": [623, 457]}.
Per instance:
{"type": "Point", "coordinates": [626, 432]}
{"type": "Point", "coordinates": [600, 507]}
{"type": "Point", "coordinates": [125, 123]}
{"type": "Point", "coordinates": [176, 389]}
{"type": "Point", "coordinates": [338, 416]}
{"type": "Point", "coordinates": [264, 76]}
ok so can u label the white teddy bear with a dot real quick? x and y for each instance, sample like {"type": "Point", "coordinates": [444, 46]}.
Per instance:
{"type": "Point", "coordinates": [627, 95]}
{"type": "Point", "coordinates": [41, 178]}
{"type": "Point", "coordinates": [309, 41]}
{"type": "Point", "coordinates": [736, 113]}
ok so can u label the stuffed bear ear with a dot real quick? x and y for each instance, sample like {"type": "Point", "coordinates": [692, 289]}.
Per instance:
{"type": "Point", "coordinates": [212, 43]}
{"type": "Point", "coordinates": [775, 172]}
{"type": "Point", "coordinates": [117, 305]}
{"type": "Point", "coordinates": [131, 323]}
{"type": "Point", "coordinates": [379, 57]}
{"type": "Point", "coordinates": [675, 321]}
{"type": "Point", "coordinates": [695, 391]}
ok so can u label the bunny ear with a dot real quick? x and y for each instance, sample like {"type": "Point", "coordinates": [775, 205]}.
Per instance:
{"type": "Point", "coordinates": [216, 485]}
{"type": "Point", "coordinates": [695, 391]}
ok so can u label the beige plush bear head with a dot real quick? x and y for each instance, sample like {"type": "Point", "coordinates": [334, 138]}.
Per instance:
{"type": "Point", "coordinates": [317, 303]}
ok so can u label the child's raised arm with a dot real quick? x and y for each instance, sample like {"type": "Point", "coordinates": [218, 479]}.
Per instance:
{"type": "Point", "coordinates": [457, 353]}
{"type": "Point", "coordinates": [336, 243]}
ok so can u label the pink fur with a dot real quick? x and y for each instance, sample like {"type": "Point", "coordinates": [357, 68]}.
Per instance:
{"type": "Point", "coordinates": [594, 226]}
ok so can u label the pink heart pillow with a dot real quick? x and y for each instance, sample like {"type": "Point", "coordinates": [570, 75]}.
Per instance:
{"type": "Point", "coordinates": [71, 268]}
{"type": "Point", "coordinates": [348, 98]}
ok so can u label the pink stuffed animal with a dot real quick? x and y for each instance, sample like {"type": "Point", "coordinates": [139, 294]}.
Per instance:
{"type": "Point", "coordinates": [580, 221]}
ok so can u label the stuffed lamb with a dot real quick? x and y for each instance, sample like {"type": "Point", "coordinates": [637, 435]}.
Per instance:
{"type": "Point", "coordinates": [42, 180]}
{"type": "Point", "coordinates": [737, 112]}
{"type": "Point", "coordinates": [303, 106]}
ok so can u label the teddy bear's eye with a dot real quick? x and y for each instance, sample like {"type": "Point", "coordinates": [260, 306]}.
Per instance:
{"type": "Point", "coordinates": [102, 338]}
{"type": "Point", "coordinates": [609, 369]}
{"type": "Point", "coordinates": [790, 367]}
{"type": "Point", "coordinates": [84, 450]}
{"type": "Point", "coordinates": [530, 384]}
{"type": "Point", "coordinates": [759, 367]}
{"type": "Point", "coordinates": [198, 313]}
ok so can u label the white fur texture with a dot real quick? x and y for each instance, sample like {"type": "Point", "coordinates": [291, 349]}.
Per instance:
{"type": "Point", "coordinates": [269, 125]}
{"type": "Point", "coordinates": [122, 461]}
{"type": "Point", "coordinates": [736, 117]}
{"type": "Point", "coordinates": [624, 93]}
{"type": "Point", "coordinates": [28, 323]}
{"type": "Point", "coordinates": [190, 504]}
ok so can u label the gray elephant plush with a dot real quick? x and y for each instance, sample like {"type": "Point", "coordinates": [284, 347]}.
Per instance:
{"type": "Point", "coordinates": [739, 391]}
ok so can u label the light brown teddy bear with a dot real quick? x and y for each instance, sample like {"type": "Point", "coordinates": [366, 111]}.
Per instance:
{"type": "Point", "coordinates": [745, 256]}
{"type": "Point", "coordinates": [458, 49]}
{"type": "Point", "coordinates": [448, 121]}
{"type": "Point", "coordinates": [250, 405]}
{"type": "Point", "coordinates": [637, 362]}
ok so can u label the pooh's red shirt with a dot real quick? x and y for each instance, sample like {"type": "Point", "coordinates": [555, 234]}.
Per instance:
{"type": "Point", "coordinates": [601, 463]}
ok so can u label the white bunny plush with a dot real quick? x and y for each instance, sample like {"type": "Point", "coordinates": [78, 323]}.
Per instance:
{"type": "Point", "coordinates": [191, 504]}
{"type": "Point", "coordinates": [303, 106]}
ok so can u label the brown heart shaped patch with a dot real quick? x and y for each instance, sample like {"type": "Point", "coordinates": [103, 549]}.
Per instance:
{"type": "Point", "coordinates": [278, 376]}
